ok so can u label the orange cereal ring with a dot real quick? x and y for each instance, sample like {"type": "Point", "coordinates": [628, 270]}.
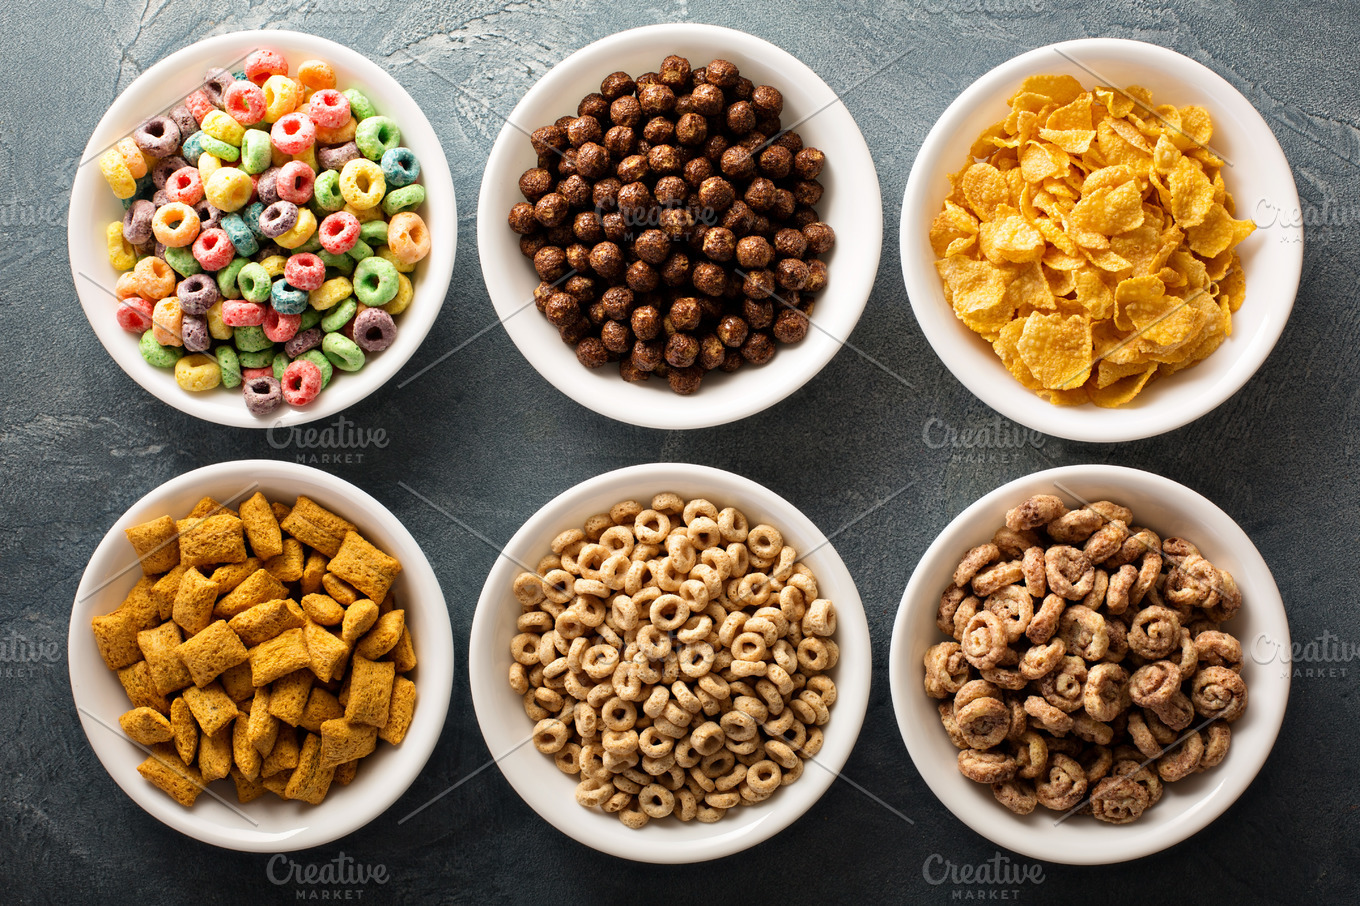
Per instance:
{"type": "Point", "coordinates": [316, 74]}
{"type": "Point", "coordinates": [408, 237]}
{"type": "Point", "coordinates": [132, 157]}
{"type": "Point", "coordinates": [338, 135]}
{"type": "Point", "coordinates": [154, 278]}
{"type": "Point", "coordinates": [127, 285]}
{"type": "Point", "coordinates": [167, 322]}
{"type": "Point", "coordinates": [175, 225]}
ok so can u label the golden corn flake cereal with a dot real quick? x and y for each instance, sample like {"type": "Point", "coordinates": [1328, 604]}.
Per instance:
{"type": "Point", "coordinates": [1090, 229]}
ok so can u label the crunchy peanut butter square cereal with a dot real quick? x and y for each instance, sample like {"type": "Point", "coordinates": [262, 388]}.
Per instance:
{"type": "Point", "coordinates": [364, 566]}
{"type": "Point", "coordinates": [310, 780]}
{"type": "Point", "coordinates": [258, 588]}
{"type": "Point", "coordinates": [194, 600]}
{"type": "Point", "coordinates": [211, 540]}
{"type": "Point", "coordinates": [288, 696]}
{"type": "Point", "coordinates": [370, 691]}
{"type": "Point", "coordinates": [280, 655]}
{"type": "Point", "coordinates": [211, 651]}
{"type": "Point", "coordinates": [159, 647]}
{"type": "Point", "coordinates": [400, 712]}
{"type": "Point", "coordinates": [165, 770]}
{"type": "Point", "coordinates": [266, 620]}
{"type": "Point", "coordinates": [316, 526]}
{"type": "Point", "coordinates": [146, 725]}
{"type": "Point", "coordinates": [141, 688]}
{"type": "Point", "coordinates": [262, 529]}
{"type": "Point", "coordinates": [212, 708]}
{"type": "Point", "coordinates": [343, 741]}
{"type": "Point", "coordinates": [155, 544]}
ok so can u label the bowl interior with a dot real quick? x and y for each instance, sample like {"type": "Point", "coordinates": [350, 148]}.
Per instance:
{"type": "Point", "coordinates": [1258, 178]}
{"type": "Point", "coordinates": [505, 726]}
{"type": "Point", "coordinates": [161, 87]}
{"type": "Point", "coordinates": [1187, 805]}
{"type": "Point", "coordinates": [268, 824]}
{"type": "Point", "coordinates": [849, 178]}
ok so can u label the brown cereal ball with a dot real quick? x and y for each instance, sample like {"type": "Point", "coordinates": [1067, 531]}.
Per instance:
{"type": "Point", "coordinates": [709, 278]}
{"type": "Point", "coordinates": [732, 331]}
{"type": "Point", "coordinates": [522, 219]}
{"type": "Point", "coordinates": [529, 245]}
{"type": "Point", "coordinates": [584, 129]}
{"type": "Point", "coordinates": [632, 169]}
{"type": "Point", "coordinates": [707, 99]}
{"type": "Point", "coordinates": [743, 89]}
{"type": "Point", "coordinates": [776, 162]}
{"type": "Point", "coordinates": [548, 138]}
{"type": "Point", "coordinates": [790, 243]}
{"type": "Point", "coordinates": [591, 353]}
{"type": "Point", "coordinates": [808, 163]}
{"type": "Point", "coordinates": [720, 244]}
{"type": "Point", "coordinates": [675, 72]}
{"type": "Point", "coordinates": [820, 237]}
{"type": "Point", "coordinates": [616, 85]}
{"type": "Point", "coordinates": [551, 263]}
{"type": "Point", "coordinates": [803, 216]}
{"type": "Point", "coordinates": [692, 129]}
{"type": "Point", "coordinates": [671, 190]}
{"type": "Point", "coordinates": [605, 194]}
{"type": "Point", "coordinates": [790, 326]}
{"type": "Point", "coordinates": [790, 273]}
{"type": "Point", "coordinates": [807, 191]}
{"type": "Point", "coordinates": [754, 252]}
{"type": "Point", "coordinates": [542, 293]}
{"type": "Point", "coordinates": [676, 223]}
{"type": "Point", "coordinates": [722, 73]}
{"type": "Point", "coordinates": [562, 309]}
{"type": "Point", "coordinates": [685, 313]}
{"type": "Point", "coordinates": [783, 205]}
{"type": "Point", "coordinates": [592, 160]}
{"type": "Point", "coordinates": [739, 218]}
{"type": "Point", "coordinates": [767, 100]}
{"type": "Point", "coordinates": [791, 140]}
{"type": "Point", "coordinates": [675, 269]}
{"type": "Point", "coordinates": [551, 209]}
{"type": "Point", "coordinates": [647, 355]}
{"type": "Point", "coordinates": [713, 306]}
{"type": "Point", "coordinates": [733, 361]}
{"type": "Point", "coordinates": [606, 259]}
{"type": "Point", "coordinates": [618, 302]}
{"type": "Point", "coordinates": [574, 332]}
{"type": "Point", "coordinates": [575, 190]}
{"type": "Point", "coordinates": [681, 350]}
{"type": "Point", "coordinates": [685, 381]}
{"type": "Point", "coordinates": [566, 162]}
{"type": "Point", "coordinates": [646, 322]}
{"type": "Point", "coordinates": [618, 141]}
{"type": "Point", "coordinates": [586, 228]}
{"type": "Point", "coordinates": [716, 193]}
{"type": "Point", "coordinates": [593, 105]}
{"type": "Point", "coordinates": [535, 183]}
{"type": "Point", "coordinates": [712, 352]}
{"type": "Point", "coordinates": [737, 163]}
{"type": "Point", "coordinates": [652, 246]}
{"type": "Point", "coordinates": [715, 146]}
{"type": "Point", "coordinates": [648, 78]}
{"type": "Point", "coordinates": [578, 256]}
{"type": "Point", "coordinates": [616, 337]}
{"type": "Point", "coordinates": [760, 194]}
{"type": "Point", "coordinates": [656, 99]}
{"type": "Point", "coordinates": [683, 104]}
{"type": "Point", "coordinates": [816, 276]}
{"type": "Point", "coordinates": [632, 373]}
{"type": "Point", "coordinates": [636, 198]}
{"type": "Point", "coordinates": [664, 159]}
{"type": "Point", "coordinates": [581, 288]}
{"type": "Point", "coordinates": [758, 348]}
{"type": "Point", "coordinates": [759, 313]}
{"type": "Point", "coordinates": [697, 170]}
{"type": "Point", "coordinates": [626, 111]}
{"type": "Point", "coordinates": [659, 130]}
{"type": "Point", "coordinates": [741, 118]}
{"type": "Point", "coordinates": [615, 226]}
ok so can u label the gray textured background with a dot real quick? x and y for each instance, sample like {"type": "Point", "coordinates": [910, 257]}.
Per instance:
{"type": "Point", "coordinates": [81, 441]}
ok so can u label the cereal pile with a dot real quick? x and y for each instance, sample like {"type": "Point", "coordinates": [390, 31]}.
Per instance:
{"type": "Point", "coordinates": [229, 675]}
{"type": "Point", "coordinates": [1090, 239]}
{"type": "Point", "coordinates": [671, 222]}
{"type": "Point", "coordinates": [675, 658]}
{"type": "Point", "coordinates": [1087, 701]}
{"type": "Point", "coordinates": [254, 237]}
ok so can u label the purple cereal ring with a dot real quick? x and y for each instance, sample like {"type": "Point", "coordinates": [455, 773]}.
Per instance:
{"type": "Point", "coordinates": [216, 81]}
{"type": "Point", "coordinates": [197, 293]}
{"type": "Point", "coordinates": [166, 168]}
{"type": "Point", "coordinates": [194, 332]}
{"type": "Point", "coordinates": [160, 198]}
{"type": "Point", "coordinates": [158, 136]}
{"type": "Point", "coordinates": [278, 218]}
{"type": "Point", "coordinates": [263, 395]}
{"type": "Point", "coordinates": [303, 341]}
{"type": "Point", "coordinates": [374, 330]}
{"type": "Point", "coordinates": [184, 120]}
{"type": "Point", "coordinates": [159, 250]}
{"type": "Point", "coordinates": [266, 187]}
{"type": "Point", "coordinates": [334, 157]}
{"type": "Point", "coordinates": [137, 221]}
{"type": "Point", "coordinates": [208, 216]}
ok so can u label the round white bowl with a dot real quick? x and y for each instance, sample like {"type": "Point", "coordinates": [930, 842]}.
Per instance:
{"type": "Point", "coordinates": [268, 824]}
{"type": "Point", "coordinates": [163, 86]}
{"type": "Point", "coordinates": [1258, 178]}
{"type": "Point", "coordinates": [506, 728]}
{"type": "Point", "coordinates": [1187, 806]}
{"type": "Point", "coordinates": [849, 179]}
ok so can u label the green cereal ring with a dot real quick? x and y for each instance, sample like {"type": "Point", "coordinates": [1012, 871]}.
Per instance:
{"type": "Point", "coordinates": [310, 318]}
{"type": "Point", "coordinates": [359, 105]}
{"type": "Point", "coordinates": [407, 198]}
{"type": "Point", "coordinates": [343, 352]}
{"type": "Point", "coordinates": [158, 355]}
{"type": "Point", "coordinates": [280, 365]}
{"type": "Point", "coordinates": [312, 244]}
{"type": "Point", "coordinates": [374, 232]}
{"type": "Point", "coordinates": [326, 191]}
{"type": "Point", "coordinates": [261, 358]}
{"type": "Point", "coordinates": [256, 151]}
{"type": "Point", "coordinates": [226, 278]}
{"type": "Point", "coordinates": [317, 358]}
{"type": "Point", "coordinates": [183, 261]}
{"type": "Point", "coordinates": [219, 149]}
{"type": "Point", "coordinates": [341, 262]}
{"type": "Point", "coordinates": [375, 136]}
{"type": "Point", "coordinates": [193, 147]}
{"type": "Point", "coordinates": [254, 282]}
{"type": "Point", "coordinates": [360, 251]}
{"type": "Point", "coordinates": [375, 281]}
{"type": "Point", "coordinates": [230, 363]}
{"type": "Point", "coordinates": [340, 315]}
{"type": "Point", "coordinates": [251, 339]}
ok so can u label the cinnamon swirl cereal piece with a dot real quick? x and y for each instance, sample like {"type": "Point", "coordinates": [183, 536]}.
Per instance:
{"type": "Point", "coordinates": [1037, 511]}
{"type": "Point", "coordinates": [1154, 632]}
{"type": "Point", "coordinates": [1016, 795]}
{"type": "Point", "coordinates": [1036, 574]}
{"type": "Point", "coordinates": [973, 561]}
{"type": "Point", "coordinates": [1069, 572]}
{"type": "Point", "coordinates": [1118, 800]}
{"type": "Point", "coordinates": [1063, 784]}
{"type": "Point", "coordinates": [1219, 693]}
{"type": "Point", "coordinates": [986, 767]}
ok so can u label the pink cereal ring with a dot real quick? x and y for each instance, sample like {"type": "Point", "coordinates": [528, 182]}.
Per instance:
{"type": "Point", "coordinates": [250, 374]}
{"type": "Point", "coordinates": [295, 181]}
{"type": "Point", "coordinates": [240, 313]}
{"type": "Point", "coordinates": [293, 133]}
{"type": "Point", "coordinates": [339, 232]}
{"type": "Point", "coordinates": [264, 63]}
{"type": "Point", "coordinates": [134, 314]}
{"type": "Point", "coordinates": [213, 249]}
{"type": "Point", "coordinates": [199, 105]}
{"type": "Point", "coordinates": [186, 185]}
{"type": "Point", "coordinates": [244, 101]}
{"type": "Point", "coordinates": [301, 382]}
{"type": "Point", "coordinates": [328, 108]}
{"type": "Point", "coordinates": [281, 328]}
{"type": "Point", "coordinates": [305, 271]}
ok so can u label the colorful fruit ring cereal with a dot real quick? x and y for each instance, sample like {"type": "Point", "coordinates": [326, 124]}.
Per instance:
{"type": "Point", "coordinates": [196, 293]}
{"type": "Point", "coordinates": [175, 224]}
{"type": "Point", "coordinates": [301, 382]}
{"type": "Point", "coordinates": [295, 181]}
{"type": "Point", "coordinates": [197, 373]}
{"type": "Point", "coordinates": [375, 281]}
{"type": "Point", "coordinates": [262, 393]}
{"type": "Point", "coordinates": [305, 271]}
{"type": "Point", "coordinates": [408, 237]}
{"type": "Point", "coordinates": [343, 352]}
{"type": "Point", "coordinates": [374, 330]}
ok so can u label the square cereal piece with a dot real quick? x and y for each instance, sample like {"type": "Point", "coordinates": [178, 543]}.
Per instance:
{"type": "Point", "coordinates": [342, 741]}
{"type": "Point", "coordinates": [343, 593]}
{"type": "Point", "coordinates": [262, 728]}
{"type": "Point", "coordinates": [323, 609]}
{"type": "Point", "coordinates": [212, 708]}
{"type": "Point", "coordinates": [359, 618]}
{"type": "Point", "coordinates": [115, 634]}
{"type": "Point", "coordinates": [159, 647]}
{"type": "Point", "coordinates": [370, 691]}
{"type": "Point", "coordinates": [155, 544]}
{"type": "Point", "coordinates": [236, 682]}
{"type": "Point", "coordinates": [288, 565]}
{"type": "Point", "coordinates": [312, 572]}
{"type": "Point", "coordinates": [344, 773]}
{"type": "Point", "coordinates": [403, 654]}
{"type": "Point", "coordinates": [327, 653]}
{"type": "Point", "coordinates": [321, 707]}
{"type": "Point", "coordinates": [146, 726]}
{"type": "Point", "coordinates": [284, 755]}
{"type": "Point", "coordinates": [230, 575]}
{"type": "Point", "coordinates": [141, 688]}
{"type": "Point", "coordinates": [288, 696]}
{"type": "Point", "coordinates": [310, 780]}
{"type": "Point", "coordinates": [281, 655]}
{"type": "Point", "coordinates": [262, 529]}
{"type": "Point", "coordinates": [266, 620]}
{"type": "Point", "coordinates": [243, 753]}
{"type": "Point", "coordinates": [256, 589]}
{"type": "Point", "coordinates": [280, 510]}
{"type": "Point", "coordinates": [400, 712]}
{"type": "Point", "coordinates": [165, 770]}
{"type": "Point", "coordinates": [210, 652]}
{"type": "Point", "coordinates": [384, 635]}
{"type": "Point", "coordinates": [247, 790]}
{"type": "Point", "coordinates": [183, 729]}
{"type": "Point", "coordinates": [194, 600]}
{"type": "Point", "coordinates": [364, 566]}
{"type": "Point", "coordinates": [277, 784]}
{"type": "Point", "coordinates": [141, 602]}
{"type": "Point", "coordinates": [214, 754]}
{"type": "Point", "coordinates": [209, 506]}
{"type": "Point", "coordinates": [211, 540]}
{"type": "Point", "coordinates": [316, 526]}
{"type": "Point", "coordinates": [165, 590]}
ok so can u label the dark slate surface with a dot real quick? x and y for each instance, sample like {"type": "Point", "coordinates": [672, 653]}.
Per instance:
{"type": "Point", "coordinates": [81, 441]}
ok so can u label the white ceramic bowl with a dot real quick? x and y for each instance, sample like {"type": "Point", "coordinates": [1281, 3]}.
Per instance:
{"type": "Point", "coordinates": [1259, 179]}
{"type": "Point", "coordinates": [163, 86]}
{"type": "Point", "coordinates": [500, 712]}
{"type": "Point", "coordinates": [1187, 806]}
{"type": "Point", "coordinates": [268, 824]}
{"type": "Point", "coordinates": [849, 179]}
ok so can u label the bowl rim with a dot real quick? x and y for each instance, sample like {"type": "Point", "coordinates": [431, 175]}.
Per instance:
{"type": "Point", "coordinates": [521, 765]}
{"type": "Point", "coordinates": [962, 356]}
{"type": "Point", "coordinates": [1219, 531]}
{"type": "Point", "coordinates": [130, 107]}
{"type": "Point", "coordinates": [651, 404]}
{"type": "Point", "coordinates": [434, 683]}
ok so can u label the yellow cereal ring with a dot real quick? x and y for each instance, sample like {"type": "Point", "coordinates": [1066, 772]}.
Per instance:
{"type": "Point", "coordinates": [132, 157]}
{"type": "Point", "coordinates": [362, 184]}
{"type": "Point", "coordinates": [281, 97]}
{"type": "Point", "coordinates": [217, 328]}
{"type": "Point", "coordinates": [277, 158]}
{"type": "Point", "coordinates": [116, 172]}
{"type": "Point", "coordinates": [175, 225]}
{"type": "Point", "coordinates": [339, 135]}
{"type": "Point", "coordinates": [391, 258]}
{"type": "Point", "coordinates": [197, 372]}
{"type": "Point", "coordinates": [223, 127]}
{"type": "Point", "coordinates": [316, 74]}
{"type": "Point", "coordinates": [228, 189]}
{"type": "Point", "coordinates": [364, 215]}
{"type": "Point", "coordinates": [408, 237]}
{"type": "Point", "coordinates": [308, 157]}
{"type": "Point", "coordinates": [122, 255]}
{"type": "Point", "coordinates": [402, 300]}
{"type": "Point", "coordinates": [128, 285]}
{"type": "Point", "coordinates": [301, 231]}
{"type": "Point", "coordinates": [208, 164]}
{"type": "Point", "coordinates": [167, 322]}
{"type": "Point", "coordinates": [155, 279]}
{"type": "Point", "coordinates": [273, 265]}
{"type": "Point", "coordinates": [331, 293]}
